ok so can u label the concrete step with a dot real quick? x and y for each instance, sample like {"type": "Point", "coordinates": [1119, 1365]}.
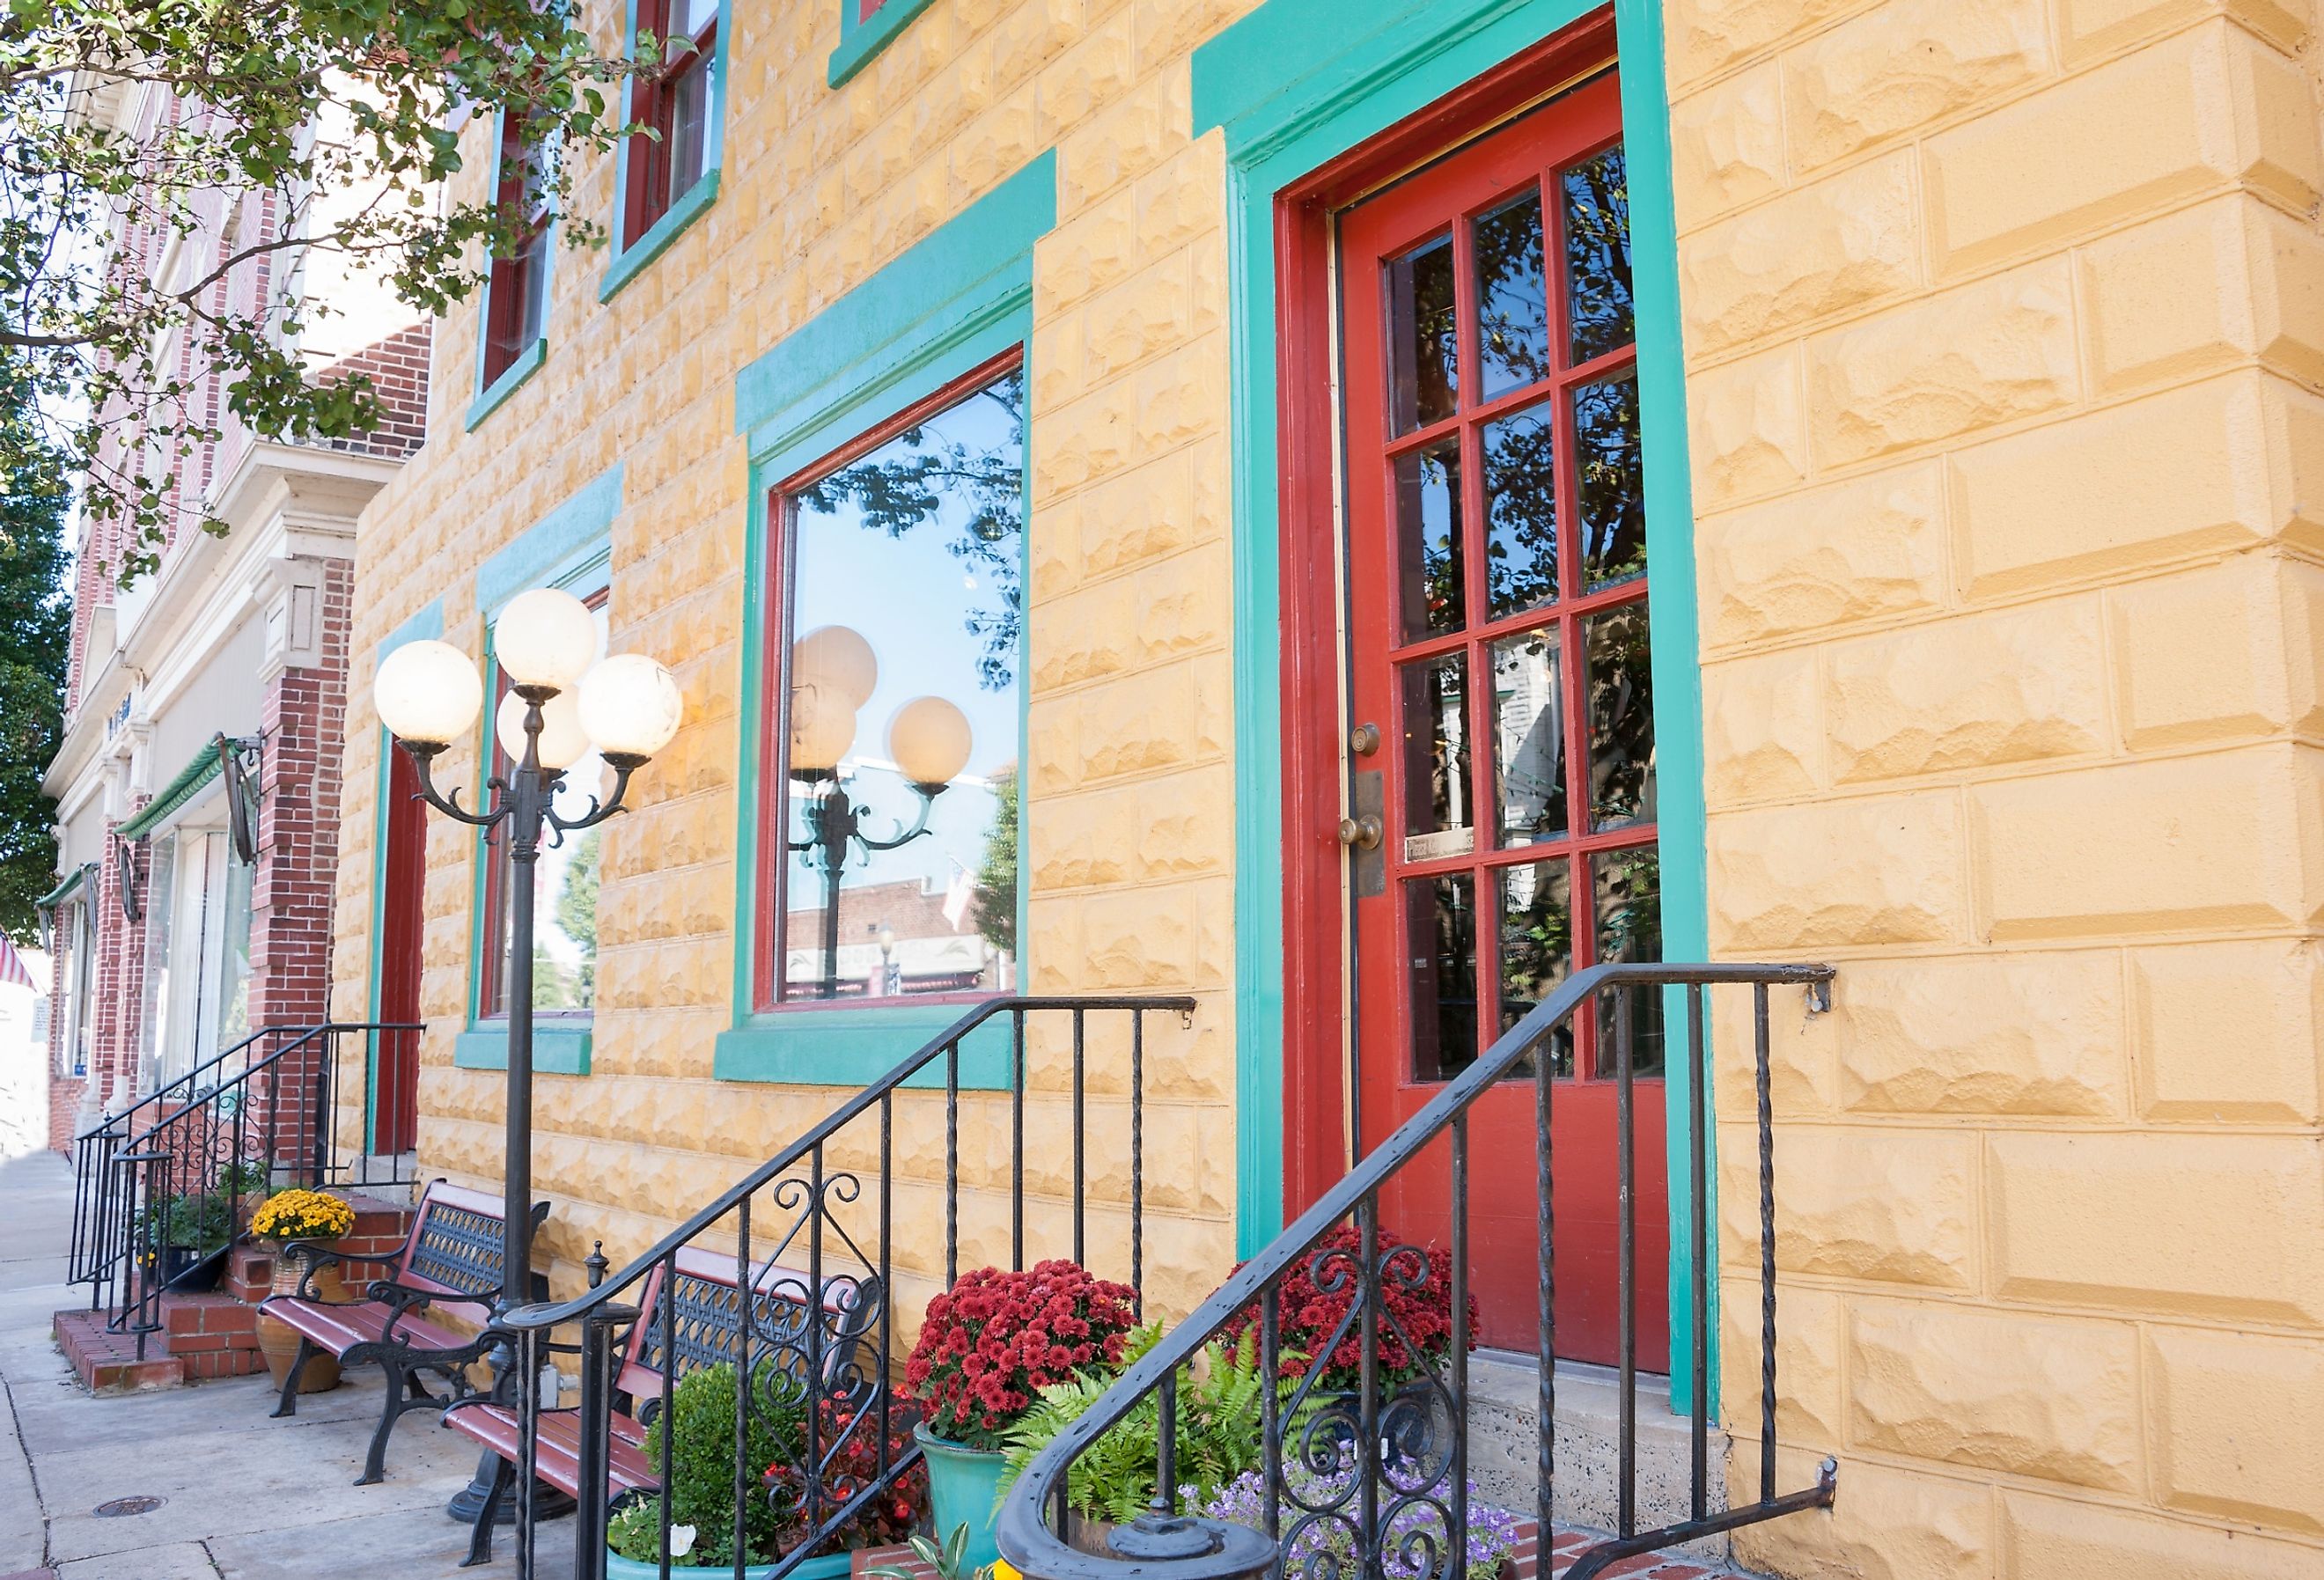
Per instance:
{"type": "Point", "coordinates": [1504, 1445]}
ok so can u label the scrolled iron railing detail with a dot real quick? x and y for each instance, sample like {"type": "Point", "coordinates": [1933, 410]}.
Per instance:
{"type": "Point", "coordinates": [254, 1116]}
{"type": "Point", "coordinates": [819, 1340]}
{"type": "Point", "coordinates": [1374, 1484]}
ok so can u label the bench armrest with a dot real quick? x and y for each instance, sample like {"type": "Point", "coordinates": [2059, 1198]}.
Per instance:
{"type": "Point", "coordinates": [452, 1362]}
{"type": "Point", "coordinates": [319, 1256]}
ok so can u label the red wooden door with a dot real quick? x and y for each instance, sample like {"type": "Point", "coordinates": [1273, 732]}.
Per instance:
{"type": "Point", "coordinates": [1497, 642]}
{"type": "Point", "coordinates": [395, 1076]}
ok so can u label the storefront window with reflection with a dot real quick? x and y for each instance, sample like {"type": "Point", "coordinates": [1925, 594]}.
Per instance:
{"type": "Point", "coordinates": [895, 843]}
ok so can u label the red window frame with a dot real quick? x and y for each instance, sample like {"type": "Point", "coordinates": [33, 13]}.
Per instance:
{"type": "Point", "coordinates": [775, 869]}
{"type": "Point", "coordinates": [518, 276]}
{"type": "Point", "coordinates": [492, 1000]}
{"type": "Point", "coordinates": [654, 105]}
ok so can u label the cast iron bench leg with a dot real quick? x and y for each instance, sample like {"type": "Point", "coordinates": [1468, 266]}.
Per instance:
{"type": "Point", "coordinates": [480, 1543]}
{"type": "Point", "coordinates": [289, 1404]}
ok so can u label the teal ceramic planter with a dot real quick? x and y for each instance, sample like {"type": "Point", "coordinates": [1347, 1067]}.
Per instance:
{"type": "Point", "coordinates": [832, 1566]}
{"type": "Point", "coordinates": [963, 1485]}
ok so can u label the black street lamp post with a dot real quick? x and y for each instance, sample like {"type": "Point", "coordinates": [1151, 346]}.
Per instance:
{"type": "Point", "coordinates": [834, 826]}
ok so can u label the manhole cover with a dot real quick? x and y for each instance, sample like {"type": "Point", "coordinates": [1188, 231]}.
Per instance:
{"type": "Point", "coordinates": [118, 1506]}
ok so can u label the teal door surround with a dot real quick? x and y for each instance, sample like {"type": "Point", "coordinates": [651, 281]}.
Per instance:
{"type": "Point", "coordinates": [424, 624]}
{"type": "Point", "coordinates": [957, 299]}
{"type": "Point", "coordinates": [1363, 66]}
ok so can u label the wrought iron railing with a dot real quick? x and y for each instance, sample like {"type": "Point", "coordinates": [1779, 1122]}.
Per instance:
{"type": "Point", "coordinates": [835, 1234]}
{"type": "Point", "coordinates": [161, 1189]}
{"type": "Point", "coordinates": [1376, 1484]}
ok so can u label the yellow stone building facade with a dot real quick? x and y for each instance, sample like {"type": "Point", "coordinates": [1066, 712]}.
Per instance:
{"type": "Point", "coordinates": [1987, 359]}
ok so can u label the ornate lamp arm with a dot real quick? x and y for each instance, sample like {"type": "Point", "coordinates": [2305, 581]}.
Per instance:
{"type": "Point", "coordinates": [623, 765]}
{"type": "Point", "coordinates": [928, 794]}
{"type": "Point", "coordinates": [424, 753]}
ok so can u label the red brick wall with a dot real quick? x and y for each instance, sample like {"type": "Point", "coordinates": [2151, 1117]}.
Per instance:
{"type": "Point", "coordinates": [398, 369]}
{"type": "Point", "coordinates": [118, 1007]}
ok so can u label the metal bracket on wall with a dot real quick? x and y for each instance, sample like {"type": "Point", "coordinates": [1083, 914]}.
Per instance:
{"type": "Point", "coordinates": [242, 759]}
{"type": "Point", "coordinates": [130, 907]}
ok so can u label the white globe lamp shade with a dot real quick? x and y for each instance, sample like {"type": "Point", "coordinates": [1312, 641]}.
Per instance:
{"type": "Point", "coordinates": [837, 659]}
{"type": "Point", "coordinates": [428, 693]}
{"type": "Point", "coordinates": [546, 638]}
{"type": "Point", "coordinates": [823, 731]}
{"type": "Point", "coordinates": [630, 705]}
{"type": "Point", "coordinates": [563, 740]}
{"type": "Point", "coordinates": [929, 739]}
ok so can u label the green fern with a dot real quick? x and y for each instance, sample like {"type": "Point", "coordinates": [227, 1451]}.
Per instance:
{"type": "Point", "coordinates": [1220, 1405]}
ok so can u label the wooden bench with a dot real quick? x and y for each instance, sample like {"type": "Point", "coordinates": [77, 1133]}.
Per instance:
{"type": "Point", "coordinates": [707, 1314]}
{"type": "Point", "coordinates": [449, 1263]}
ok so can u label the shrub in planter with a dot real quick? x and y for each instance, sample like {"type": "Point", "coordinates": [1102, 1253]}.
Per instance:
{"type": "Point", "coordinates": [1416, 1331]}
{"type": "Point", "coordinates": [702, 1452]}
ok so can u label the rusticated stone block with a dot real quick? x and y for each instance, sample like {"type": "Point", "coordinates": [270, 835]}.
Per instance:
{"type": "Point", "coordinates": [2202, 110]}
{"type": "Point", "coordinates": [1727, 146]}
{"type": "Point", "coordinates": [2008, 1391]}
{"type": "Point", "coordinates": [1851, 873]}
{"type": "Point", "coordinates": [1862, 549]}
{"type": "Point", "coordinates": [1969, 693]}
{"type": "Point", "coordinates": [1890, 1207]}
{"type": "Point", "coordinates": [1139, 516]}
{"type": "Point", "coordinates": [2201, 290]}
{"type": "Point", "coordinates": [1080, 841]}
{"type": "Point", "coordinates": [2207, 1391]}
{"type": "Point", "coordinates": [2092, 27]}
{"type": "Point", "coordinates": [1840, 243]}
{"type": "Point", "coordinates": [2228, 1031]}
{"type": "Point", "coordinates": [1762, 738]}
{"type": "Point", "coordinates": [1155, 719]}
{"type": "Point", "coordinates": [2021, 1034]}
{"type": "Point", "coordinates": [2047, 1537]}
{"type": "Point", "coordinates": [2223, 840]}
{"type": "Point", "coordinates": [1802, 1055]}
{"type": "Point", "coordinates": [1810, 1339]}
{"type": "Point", "coordinates": [2232, 461]}
{"type": "Point", "coordinates": [2141, 1223]}
{"type": "Point", "coordinates": [2235, 649]}
{"type": "Point", "coordinates": [1891, 1525]}
{"type": "Point", "coordinates": [1745, 428]}
{"type": "Point", "coordinates": [1985, 353]}
{"type": "Point", "coordinates": [1706, 35]}
{"type": "Point", "coordinates": [1902, 66]}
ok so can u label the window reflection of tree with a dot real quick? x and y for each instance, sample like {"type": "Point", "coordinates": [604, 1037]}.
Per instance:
{"type": "Point", "coordinates": [925, 471]}
{"type": "Point", "coordinates": [1597, 202]}
{"type": "Point", "coordinates": [1621, 699]}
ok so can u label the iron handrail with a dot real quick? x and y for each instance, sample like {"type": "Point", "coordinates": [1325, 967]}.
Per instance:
{"type": "Point", "coordinates": [543, 1314]}
{"type": "Point", "coordinates": [110, 1122]}
{"type": "Point", "coordinates": [1169, 1546]}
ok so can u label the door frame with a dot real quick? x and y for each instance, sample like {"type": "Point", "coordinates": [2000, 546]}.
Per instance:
{"type": "Point", "coordinates": [1426, 75]}
{"type": "Point", "coordinates": [424, 624]}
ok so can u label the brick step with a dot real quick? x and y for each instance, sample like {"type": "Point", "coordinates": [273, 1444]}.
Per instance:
{"type": "Point", "coordinates": [201, 1336]}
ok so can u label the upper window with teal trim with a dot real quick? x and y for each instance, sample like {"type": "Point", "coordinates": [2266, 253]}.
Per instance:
{"type": "Point", "coordinates": [669, 171]}
{"type": "Point", "coordinates": [865, 28]}
{"type": "Point", "coordinates": [890, 822]}
{"type": "Point", "coordinates": [516, 293]}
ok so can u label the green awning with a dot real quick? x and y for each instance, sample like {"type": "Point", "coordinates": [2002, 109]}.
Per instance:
{"type": "Point", "coordinates": [62, 892]}
{"type": "Point", "coordinates": [207, 765]}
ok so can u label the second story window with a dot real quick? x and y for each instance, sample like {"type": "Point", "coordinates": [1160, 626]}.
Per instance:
{"type": "Point", "coordinates": [516, 296]}
{"type": "Point", "coordinates": [678, 108]}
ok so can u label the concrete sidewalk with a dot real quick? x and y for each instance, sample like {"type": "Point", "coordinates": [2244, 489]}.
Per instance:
{"type": "Point", "coordinates": [243, 1497]}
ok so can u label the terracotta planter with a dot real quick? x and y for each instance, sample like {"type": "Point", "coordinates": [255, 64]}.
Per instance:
{"type": "Point", "coordinates": [280, 1345]}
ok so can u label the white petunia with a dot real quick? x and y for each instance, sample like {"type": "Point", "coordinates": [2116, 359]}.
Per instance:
{"type": "Point", "coordinates": [682, 1540]}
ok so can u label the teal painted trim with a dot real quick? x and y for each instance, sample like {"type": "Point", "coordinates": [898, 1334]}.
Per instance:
{"type": "Point", "coordinates": [556, 1050]}
{"type": "Point", "coordinates": [859, 41]}
{"type": "Point", "coordinates": [857, 1046]}
{"type": "Point", "coordinates": [488, 399]}
{"type": "Point", "coordinates": [940, 288]}
{"type": "Point", "coordinates": [1673, 627]}
{"type": "Point", "coordinates": [631, 253]}
{"type": "Point", "coordinates": [553, 549]}
{"type": "Point", "coordinates": [1278, 127]}
{"type": "Point", "coordinates": [626, 264]}
{"type": "Point", "coordinates": [425, 623]}
{"type": "Point", "coordinates": [953, 302]}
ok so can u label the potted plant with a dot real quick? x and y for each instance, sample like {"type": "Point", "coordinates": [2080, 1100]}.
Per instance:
{"type": "Point", "coordinates": [988, 1347]}
{"type": "Point", "coordinates": [1416, 1333]}
{"type": "Point", "coordinates": [283, 1217]}
{"type": "Point", "coordinates": [194, 1225]}
{"type": "Point", "coordinates": [847, 1446]}
{"type": "Point", "coordinates": [1221, 1401]}
{"type": "Point", "coordinates": [702, 1457]}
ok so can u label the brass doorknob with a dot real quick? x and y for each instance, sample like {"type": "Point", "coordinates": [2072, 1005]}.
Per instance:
{"type": "Point", "coordinates": [1360, 833]}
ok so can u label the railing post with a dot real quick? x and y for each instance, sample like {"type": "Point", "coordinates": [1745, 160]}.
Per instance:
{"type": "Point", "coordinates": [590, 1510]}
